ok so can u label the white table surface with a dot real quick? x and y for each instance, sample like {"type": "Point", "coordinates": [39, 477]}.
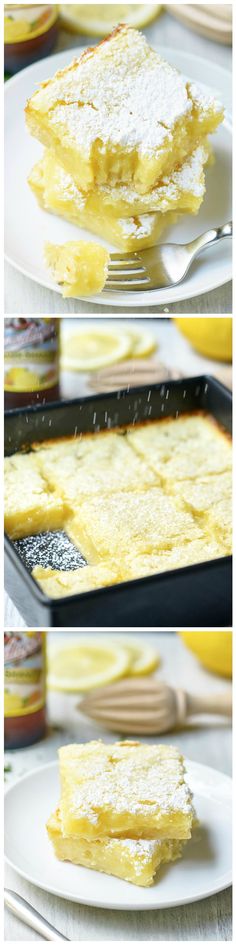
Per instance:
{"type": "Point", "coordinates": [173, 350]}
{"type": "Point", "coordinates": [209, 920]}
{"type": "Point", "coordinates": [22, 296]}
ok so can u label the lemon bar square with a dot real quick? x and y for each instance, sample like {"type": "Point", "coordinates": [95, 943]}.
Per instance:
{"type": "Point", "coordinates": [182, 448]}
{"type": "Point", "coordinates": [137, 232]}
{"type": "Point", "coordinates": [126, 789]}
{"type": "Point", "coordinates": [135, 861]}
{"type": "Point", "coordinates": [92, 577]}
{"type": "Point", "coordinates": [107, 210]}
{"type": "Point", "coordinates": [94, 463]}
{"type": "Point", "coordinates": [202, 549]}
{"type": "Point", "coordinates": [190, 463]}
{"type": "Point", "coordinates": [219, 523]}
{"type": "Point", "coordinates": [206, 493]}
{"type": "Point", "coordinates": [183, 191]}
{"type": "Point", "coordinates": [30, 505]}
{"type": "Point", "coordinates": [196, 429]}
{"type": "Point", "coordinates": [120, 112]}
{"type": "Point", "coordinates": [66, 583]}
{"type": "Point", "coordinates": [131, 566]}
{"type": "Point", "coordinates": [210, 498]}
{"type": "Point", "coordinates": [107, 526]}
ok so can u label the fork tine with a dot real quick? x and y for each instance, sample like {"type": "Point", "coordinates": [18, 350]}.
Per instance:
{"type": "Point", "coordinates": [122, 286]}
{"type": "Point", "coordinates": [125, 267]}
{"type": "Point", "coordinates": [117, 277]}
{"type": "Point", "coordinates": [123, 257]}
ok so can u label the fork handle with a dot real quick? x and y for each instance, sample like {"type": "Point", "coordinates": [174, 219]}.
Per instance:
{"type": "Point", "coordinates": [208, 238]}
{"type": "Point", "coordinates": [24, 911]}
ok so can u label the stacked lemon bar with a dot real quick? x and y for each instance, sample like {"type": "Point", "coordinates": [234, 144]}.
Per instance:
{"type": "Point", "coordinates": [126, 141]}
{"type": "Point", "coordinates": [124, 809]}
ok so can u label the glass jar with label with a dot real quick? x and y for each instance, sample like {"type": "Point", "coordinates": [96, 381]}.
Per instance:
{"type": "Point", "coordinates": [30, 32]}
{"type": "Point", "coordinates": [24, 687]}
{"type": "Point", "coordinates": [31, 361]}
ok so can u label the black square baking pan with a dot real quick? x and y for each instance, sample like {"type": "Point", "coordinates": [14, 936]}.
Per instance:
{"type": "Point", "coordinates": [199, 595]}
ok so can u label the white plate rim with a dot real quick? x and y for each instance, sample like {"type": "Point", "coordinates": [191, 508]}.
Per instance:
{"type": "Point", "coordinates": [225, 883]}
{"type": "Point", "coordinates": [182, 291]}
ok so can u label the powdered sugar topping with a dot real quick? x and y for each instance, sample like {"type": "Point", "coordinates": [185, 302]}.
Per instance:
{"type": "Point", "coordinates": [121, 92]}
{"type": "Point", "coordinates": [124, 777]}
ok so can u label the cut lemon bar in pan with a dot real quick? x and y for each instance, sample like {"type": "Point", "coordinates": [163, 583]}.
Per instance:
{"type": "Point", "coordinates": [191, 462]}
{"type": "Point", "coordinates": [219, 523]}
{"type": "Point", "coordinates": [106, 526]}
{"type": "Point", "coordinates": [210, 498]}
{"type": "Point", "coordinates": [55, 190]}
{"type": "Point", "coordinates": [183, 448]}
{"type": "Point", "coordinates": [30, 505]}
{"type": "Point", "coordinates": [206, 493]}
{"type": "Point", "coordinates": [94, 463]}
{"type": "Point", "coordinates": [66, 583]}
{"type": "Point", "coordinates": [192, 552]}
{"type": "Point", "coordinates": [177, 433]}
{"type": "Point", "coordinates": [135, 861]}
{"type": "Point", "coordinates": [125, 789]}
{"type": "Point", "coordinates": [121, 113]}
{"type": "Point", "coordinates": [80, 268]}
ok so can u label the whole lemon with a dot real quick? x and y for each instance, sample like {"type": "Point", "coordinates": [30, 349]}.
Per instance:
{"type": "Point", "coordinates": [212, 337]}
{"type": "Point", "coordinates": [213, 649]}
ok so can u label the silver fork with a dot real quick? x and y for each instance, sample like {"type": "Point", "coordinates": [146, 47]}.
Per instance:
{"type": "Point", "coordinates": [161, 266]}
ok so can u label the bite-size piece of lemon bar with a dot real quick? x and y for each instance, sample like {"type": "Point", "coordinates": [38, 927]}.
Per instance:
{"type": "Point", "coordinates": [125, 789]}
{"type": "Point", "coordinates": [79, 267]}
{"type": "Point", "coordinates": [121, 113]}
{"type": "Point", "coordinates": [135, 861]}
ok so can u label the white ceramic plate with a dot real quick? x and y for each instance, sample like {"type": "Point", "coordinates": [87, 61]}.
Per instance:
{"type": "Point", "coordinates": [205, 868]}
{"type": "Point", "coordinates": [27, 226]}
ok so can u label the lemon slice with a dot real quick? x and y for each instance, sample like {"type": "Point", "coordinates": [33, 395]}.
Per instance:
{"type": "Point", "coordinates": [143, 659]}
{"type": "Point", "coordinates": [86, 666]}
{"type": "Point", "coordinates": [142, 342]}
{"type": "Point", "coordinates": [98, 19]}
{"type": "Point", "coordinates": [89, 350]}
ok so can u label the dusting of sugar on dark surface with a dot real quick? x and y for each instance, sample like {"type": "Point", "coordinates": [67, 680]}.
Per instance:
{"type": "Point", "coordinates": [49, 550]}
